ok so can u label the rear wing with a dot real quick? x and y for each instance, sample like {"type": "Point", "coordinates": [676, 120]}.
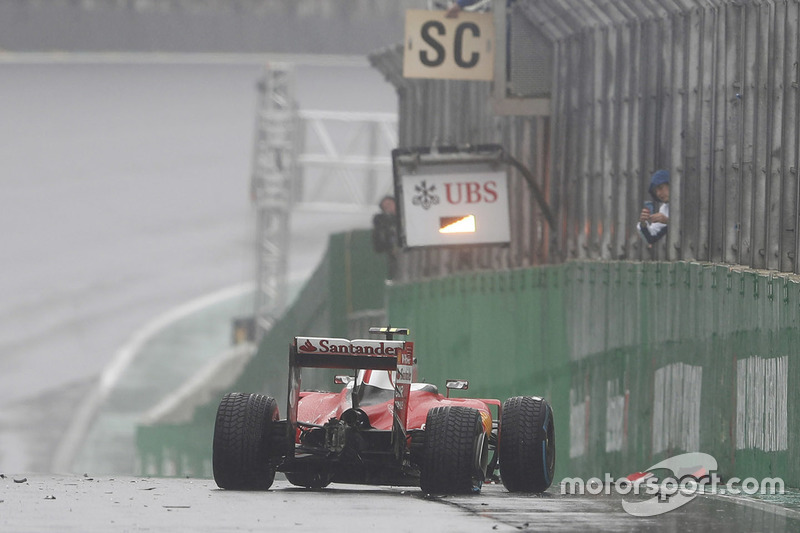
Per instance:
{"type": "Point", "coordinates": [327, 352]}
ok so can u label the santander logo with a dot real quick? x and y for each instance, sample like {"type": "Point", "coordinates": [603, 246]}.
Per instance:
{"type": "Point", "coordinates": [308, 347]}
{"type": "Point", "coordinates": [320, 345]}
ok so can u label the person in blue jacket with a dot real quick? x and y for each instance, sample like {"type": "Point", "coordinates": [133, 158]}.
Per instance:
{"type": "Point", "coordinates": [653, 224]}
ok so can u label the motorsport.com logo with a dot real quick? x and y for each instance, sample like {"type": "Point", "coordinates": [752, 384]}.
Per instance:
{"type": "Point", "coordinates": [692, 474]}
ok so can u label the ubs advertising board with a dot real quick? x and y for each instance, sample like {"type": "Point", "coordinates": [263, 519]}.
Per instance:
{"type": "Point", "coordinates": [455, 206]}
{"type": "Point", "coordinates": [438, 47]}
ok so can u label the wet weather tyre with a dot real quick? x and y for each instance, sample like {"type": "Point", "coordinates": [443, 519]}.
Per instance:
{"type": "Point", "coordinates": [241, 449]}
{"type": "Point", "coordinates": [308, 480]}
{"type": "Point", "coordinates": [527, 444]}
{"type": "Point", "coordinates": [455, 452]}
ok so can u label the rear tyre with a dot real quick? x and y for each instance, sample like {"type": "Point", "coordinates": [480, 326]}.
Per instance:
{"type": "Point", "coordinates": [527, 444]}
{"type": "Point", "coordinates": [241, 450]}
{"type": "Point", "coordinates": [310, 481]}
{"type": "Point", "coordinates": [455, 452]}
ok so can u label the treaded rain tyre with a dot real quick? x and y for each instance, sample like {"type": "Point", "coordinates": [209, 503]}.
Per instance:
{"type": "Point", "coordinates": [455, 452]}
{"type": "Point", "coordinates": [527, 444]}
{"type": "Point", "coordinates": [241, 454]}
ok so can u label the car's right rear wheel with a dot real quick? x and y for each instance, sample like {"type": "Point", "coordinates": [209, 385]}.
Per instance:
{"type": "Point", "coordinates": [527, 444]}
{"type": "Point", "coordinates": [242, 440]}
{"type": "Point", "coordinates": [455, 451]}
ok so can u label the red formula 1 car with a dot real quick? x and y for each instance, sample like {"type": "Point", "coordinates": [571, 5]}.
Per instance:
{"type": "Point", "coordinates": [381, 428]}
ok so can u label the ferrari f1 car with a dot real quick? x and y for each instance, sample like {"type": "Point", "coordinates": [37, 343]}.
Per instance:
{"type": "Point", "coordinates": [381, 428]}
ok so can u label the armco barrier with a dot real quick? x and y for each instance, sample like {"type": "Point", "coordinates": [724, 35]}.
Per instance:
{"type": "Point", "coordinates": [349, 280]}
{"type": "Point", "coordinates": [640, 360]}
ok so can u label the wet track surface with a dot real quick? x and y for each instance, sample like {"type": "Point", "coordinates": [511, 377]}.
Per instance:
{"type": "Point", "coordinates": [86, 504]}
{"type": "Point", "coordinates": [553, 511]}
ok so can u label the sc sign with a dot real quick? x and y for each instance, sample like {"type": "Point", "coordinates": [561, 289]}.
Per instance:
{"type": "Point", "coordinates": [449, 48]}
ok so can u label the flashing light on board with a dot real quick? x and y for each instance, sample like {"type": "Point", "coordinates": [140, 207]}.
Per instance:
{"type": "Point", "coordinates": [464, 224]}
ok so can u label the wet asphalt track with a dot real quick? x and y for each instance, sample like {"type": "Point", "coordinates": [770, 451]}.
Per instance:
{"type": "Point", "coordinates": [86, 504]}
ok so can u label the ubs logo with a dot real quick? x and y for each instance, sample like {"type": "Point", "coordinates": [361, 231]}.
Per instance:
{"type": "Point", "coordinates": [425, 196]}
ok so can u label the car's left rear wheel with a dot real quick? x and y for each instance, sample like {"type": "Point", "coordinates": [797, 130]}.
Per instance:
{"type": "Point", "coordinates": [242, 440]}
{"type": "Point", "coordinates": [455, 452]}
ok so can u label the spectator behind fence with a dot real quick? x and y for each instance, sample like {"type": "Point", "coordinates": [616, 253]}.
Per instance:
{"type": "Point", "coordinates": [653, 224]}
{"type": "Point", "coordinates": [384, 232]}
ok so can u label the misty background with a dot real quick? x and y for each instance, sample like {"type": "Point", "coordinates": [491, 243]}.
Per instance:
{"type": "Point", "coordinates": [126, 141]}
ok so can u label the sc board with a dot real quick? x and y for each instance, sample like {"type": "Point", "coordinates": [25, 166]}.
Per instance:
{"type": "Point", "coordinates": [449, 48]}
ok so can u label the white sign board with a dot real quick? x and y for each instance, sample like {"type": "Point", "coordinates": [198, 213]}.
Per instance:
{"type": "Point", "coordinates": [455, 208]}
{"type": "Point", "coordinates": [460, 48]}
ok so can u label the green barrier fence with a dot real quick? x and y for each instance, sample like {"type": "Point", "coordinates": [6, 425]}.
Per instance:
{"type": "Point", "coordinates": [641, 361]}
